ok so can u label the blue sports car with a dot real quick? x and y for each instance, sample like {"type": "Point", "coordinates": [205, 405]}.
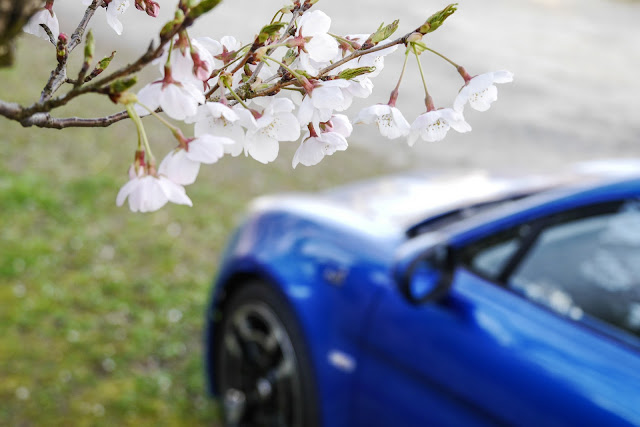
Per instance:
{"type": "Point", "coordinates": [444, 299]}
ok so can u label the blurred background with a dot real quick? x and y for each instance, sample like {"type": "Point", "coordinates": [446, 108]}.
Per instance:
{"type": "Point", "coordinates": [101, 310]}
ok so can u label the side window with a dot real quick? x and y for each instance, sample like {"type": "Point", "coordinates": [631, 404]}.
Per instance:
{"type": "Point", "coordinates": [489, 257]}
{"type": "Point", "coordinates": [587, 264]}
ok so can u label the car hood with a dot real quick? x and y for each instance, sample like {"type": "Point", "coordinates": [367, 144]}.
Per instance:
{"type": "Point", "coordinates": [408, 198]}
{"type": "Point", "coordinates": [397, 202]}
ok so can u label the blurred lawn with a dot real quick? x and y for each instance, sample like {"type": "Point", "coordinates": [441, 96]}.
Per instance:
{"type": "Point", "coordinates": [101, 310]}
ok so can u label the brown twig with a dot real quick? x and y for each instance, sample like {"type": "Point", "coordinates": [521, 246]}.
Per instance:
{"type": "Point", "coordinates": [59, 75]}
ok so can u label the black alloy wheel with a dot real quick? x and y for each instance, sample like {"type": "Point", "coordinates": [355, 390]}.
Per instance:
{"type": "Point", "coordinates": [262, 365]}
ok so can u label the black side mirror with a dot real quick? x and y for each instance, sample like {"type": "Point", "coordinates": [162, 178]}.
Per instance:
{"type": "Point", "coordinates": [428, 277]}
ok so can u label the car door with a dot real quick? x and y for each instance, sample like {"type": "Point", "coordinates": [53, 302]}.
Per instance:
{"type": "Point", "coordinates": [541, 327]}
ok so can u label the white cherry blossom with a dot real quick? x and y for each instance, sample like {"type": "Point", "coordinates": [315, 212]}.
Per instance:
{"type": "Point", "coordinates": [218, 119]}
{"type": "Point", "coordinates": [332, 138]}
{"type": "Point", "coordinates": [390, 121]}
{"type": "Point", "coordinates": [434, 125]}
{"type": "Point", "coordinates": [178, 99]}
{"type": "Point", "coordinates": [183, 66]}
{"type": "Point", "coordinates": [480, 90]}
{"type": "Point", "coordinates": [325, 98]}
{"type": "Point", "coordinates": [46, 17]}
{"type": "Point", "coordinates": [277, 123]}
{"type": "Point", "coordinates": [114, 10]}
{"type": "Point", "coordinates": [182, 165]}
{"type": "Point", "coordinates": [148, 193]}
{"type": "Point", "coordinates": [322, 47]}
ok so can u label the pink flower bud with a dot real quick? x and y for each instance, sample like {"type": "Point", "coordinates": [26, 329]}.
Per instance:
{"type": "Point", "coordinates": [153, 9]}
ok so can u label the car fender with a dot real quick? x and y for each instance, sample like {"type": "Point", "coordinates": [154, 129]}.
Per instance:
{"type": "Point", "coordinates": [328, 272]}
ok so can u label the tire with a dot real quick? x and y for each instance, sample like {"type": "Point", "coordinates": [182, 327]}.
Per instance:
{"type": "Point", "coordinates": [262, 365]}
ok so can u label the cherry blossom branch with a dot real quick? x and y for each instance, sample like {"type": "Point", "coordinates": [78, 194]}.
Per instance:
{"type": "Point", "coordinates": [76, 37]}
{"type": "Point", "coordinates": [359, 53]}
{"type": "Point", "coordinates": [287, 82]}
{"type": "Point", "coordinates": [285, 35]}
{"type": "Point", "coordinates": [59, 75]}
{"type": "Point", "coordinates": [34, 115]}
{"type": "Point", "coordinates": [14, 111]}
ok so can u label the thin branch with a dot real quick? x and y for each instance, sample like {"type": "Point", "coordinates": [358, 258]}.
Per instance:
{"type": "Point", "coordinates": [44, 120]}
{"type": "Point", "coordinates": [10, 110]}
{"type": "Point", "coordinates": [285, 35]}
{"type": "Point", "coordinates": [288, 82]}
{"type": "Point", "coordinates": [59, 75]}
{"type": "Point", "coordinates": [76, 37]}
{"type": "Point", "coordinates": [49, 34]}
{"type": "Point", "coordinates": [359, 53]}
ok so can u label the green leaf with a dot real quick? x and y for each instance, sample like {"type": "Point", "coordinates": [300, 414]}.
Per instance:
{"type": "Point", "coordinates": [437, 19]}
{"type": "Point", "coordinates": [203, 7]}
{"type": "Point", "coordinates": [89, 47]}
{"type": "Point", "coordinates": [270, 30]}
{"type": "Point", "coordinates": [104, 62]}
{"type": "Point", "coordinates": [122, 85]}
{"type": "Point", "coordinates": [383, 33]}
{"type": "Point", "coordinates": [355, 72]}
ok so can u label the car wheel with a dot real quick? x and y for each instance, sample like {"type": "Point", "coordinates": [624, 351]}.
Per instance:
{"type": "Point", "coordinates": [263, 369]}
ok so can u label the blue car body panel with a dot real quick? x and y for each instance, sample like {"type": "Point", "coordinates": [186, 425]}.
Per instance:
{"type": "Point", "coordinates": [482, 356]}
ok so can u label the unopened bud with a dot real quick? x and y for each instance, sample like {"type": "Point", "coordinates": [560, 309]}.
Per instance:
{"type": "Point", "coordinates": [437, 19]}
{"type": "Point", "coordinates": [61, 48]}
{"type": "Point", "coordinates": [153, 9]}
{"type": "Point", "coordinates": [415, 37]}
{"type": "Point", "coordinates": [140, 5]}
{"type": "Point", "coordinates": [225, 79]}
{"type": "Point", "coordinates": [261, 52]}
{"type": "Point", "coordinates": [89, 47]}
{"type": "Point", "coordinates": [289, 57]}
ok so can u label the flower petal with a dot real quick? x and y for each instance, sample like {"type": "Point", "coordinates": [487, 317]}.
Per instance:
{"type": "Point", "coordinates": [175, 193]}
{"type": "Point", "coordinates": [314, 23]}
{"type": "Point", "coordinates": [179, 168]}
{"type": "Point", "coordinates": [261, 147]}
{"type": "Point", "coordinates": [207, 148]}
{"type": "Point", "coordinates": [481, 101]}
{"type": "Point", "coordinates": [126, 191]}
{"type": "Point", "coordinates": [502, 76]}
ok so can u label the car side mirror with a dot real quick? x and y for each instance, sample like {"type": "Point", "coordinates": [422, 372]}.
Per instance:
{"type": "Point", "coordinates": [428, 277]}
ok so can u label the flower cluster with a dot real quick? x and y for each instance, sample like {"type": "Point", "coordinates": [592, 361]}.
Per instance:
{"type": "Point", "coordinates": [200, 86]}
{"type": "Point", "coordinates": [294, 82]}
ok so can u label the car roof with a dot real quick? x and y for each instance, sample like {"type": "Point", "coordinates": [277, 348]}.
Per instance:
{"type": "Point", "coordinates": [559, 199]}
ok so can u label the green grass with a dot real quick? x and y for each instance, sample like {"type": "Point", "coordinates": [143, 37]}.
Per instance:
{"type": "Point", "coordinates": [101, 310]}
